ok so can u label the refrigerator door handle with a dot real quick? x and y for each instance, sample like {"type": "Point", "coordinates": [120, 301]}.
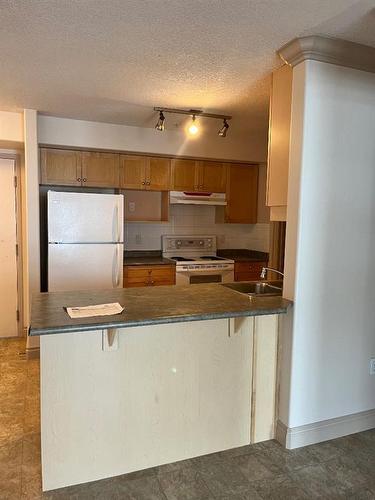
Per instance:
{"type": "Point", "coordinates": [115, 224]}
{"type": "Point", "coordinates": [116, 268]}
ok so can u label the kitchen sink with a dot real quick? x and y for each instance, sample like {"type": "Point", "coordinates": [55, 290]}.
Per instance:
{"type": "Point", "coordinates": [264, 288]}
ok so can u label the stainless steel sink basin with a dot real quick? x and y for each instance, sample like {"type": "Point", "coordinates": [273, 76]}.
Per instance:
{"type": "Point", "coordinates": [264, 288]}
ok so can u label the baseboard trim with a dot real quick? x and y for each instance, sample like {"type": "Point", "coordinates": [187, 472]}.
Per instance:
{"type": "Point", "coordinates": [295, 437]}
{"type": "Point", "coordinates": [33, 353]}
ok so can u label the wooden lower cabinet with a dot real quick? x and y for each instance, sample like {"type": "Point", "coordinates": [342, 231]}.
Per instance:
{"type": "Point", "coordinates": [248, 271]}
{"type": "Point", "coordinates": [136, 276]}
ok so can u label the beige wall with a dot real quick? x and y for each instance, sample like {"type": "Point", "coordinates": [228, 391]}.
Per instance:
{"type": "Point", "coordinates": [11, 130]}
{"type": "Point", "coordinates": [79, 133]}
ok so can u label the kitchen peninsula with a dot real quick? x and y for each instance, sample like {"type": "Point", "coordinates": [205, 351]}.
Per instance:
{"type": "Point", "coordinates": [183, 371]}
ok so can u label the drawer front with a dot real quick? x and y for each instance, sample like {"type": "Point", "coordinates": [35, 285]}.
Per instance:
{"type": "Point", "coordinates": [149, 276]}
{"type": "Point", "coordinates": [144, 282]}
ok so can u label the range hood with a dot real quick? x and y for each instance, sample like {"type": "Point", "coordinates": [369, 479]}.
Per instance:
{"type": "Point", "coordinates": [189, 198]}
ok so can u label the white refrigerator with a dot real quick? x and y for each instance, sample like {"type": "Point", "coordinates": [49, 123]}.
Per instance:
{"type": "Point", "coordinates": [85, 241]}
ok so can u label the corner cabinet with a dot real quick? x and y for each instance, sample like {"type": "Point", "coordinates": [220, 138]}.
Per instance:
{"type": "Point", "coordinates": [278, 143]}
{"type": "Point", "coordinates": [242, 194]}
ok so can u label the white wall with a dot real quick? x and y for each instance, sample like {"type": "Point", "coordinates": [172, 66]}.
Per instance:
{"type": "Point", "coordinates": [30, 192]}
{"type": "Point", "coordinates": [331, 244]}
{"type": "Point", "coordinates": [79, 133]}
{"type": "Point", "coordinates": [195, 219]}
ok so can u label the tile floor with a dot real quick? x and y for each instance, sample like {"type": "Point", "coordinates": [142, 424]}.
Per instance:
{"type": "Point", "coordinates": [343, 468]}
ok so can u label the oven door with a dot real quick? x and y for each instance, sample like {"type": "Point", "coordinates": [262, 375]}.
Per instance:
{"type": "Point", "coordinates": [196, 276]}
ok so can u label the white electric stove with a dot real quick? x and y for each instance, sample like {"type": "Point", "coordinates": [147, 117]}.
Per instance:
{"type": "Point", "coordinates": [196, 260]}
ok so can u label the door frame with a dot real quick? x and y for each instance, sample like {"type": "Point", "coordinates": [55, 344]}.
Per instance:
{"type": "Point", "coordinates": [16, 157]}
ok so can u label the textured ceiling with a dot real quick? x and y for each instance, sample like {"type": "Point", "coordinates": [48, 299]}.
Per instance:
{"type": "Point", "coordinates": [113, 60]}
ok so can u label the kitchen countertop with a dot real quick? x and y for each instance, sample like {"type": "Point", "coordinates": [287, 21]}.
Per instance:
{"type": "Point", "coordinates": [243, 255]}
{"type": "Point", "coordinates": [146, 258]}
{"type": "Point", "coordinates": [147, 306]}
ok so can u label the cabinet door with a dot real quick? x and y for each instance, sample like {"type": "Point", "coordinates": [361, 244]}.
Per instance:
{"type": "Point", "coordinates": [136, 276]}
{"type": "Point", "coordinates": [242, 194]}
{"type": "Point", "coordinates": [279, 135]}
{"type": "Point", "coordinates": [158, 177]}
{"type": "Point", "coordinates": [248, 271]}
{"type": "Point", "coordinates": [133, 172]}
{"type": "Point", "coordinates": [185, 175]}
{"type": "Point", "coordinates": [60, 167]}
{"type": "Point", "coordinates": [212, 176]}
{"type": "Point", "coordinates": [100, 169]}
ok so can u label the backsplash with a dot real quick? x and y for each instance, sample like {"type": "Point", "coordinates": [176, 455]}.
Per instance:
{"type": "Point", "coordinates": [195, 220]}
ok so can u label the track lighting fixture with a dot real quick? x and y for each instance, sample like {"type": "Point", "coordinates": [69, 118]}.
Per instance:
{"type": "Point", "coordinates": [223, 131]}
{"type": "Point", "coordinates": [160, 125]}
{"type": "Point", "coordinates": [193, 129]}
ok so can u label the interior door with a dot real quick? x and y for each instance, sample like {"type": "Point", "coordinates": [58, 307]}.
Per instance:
{"type": "Point", "coordinates": [8, 254]}
{"type": "Point", "coordinates": [85, 266]}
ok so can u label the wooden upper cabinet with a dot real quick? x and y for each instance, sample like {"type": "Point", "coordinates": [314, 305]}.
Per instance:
{"type": "Point", "coordinates": [212, 176]}
{"type": "Point", "coordinates": [133, 171]}
{"type": "Point", "coordinates": [242, 194]}
{"type": "Point", "coordinates": [158, 174]}
{"type": "Point", "coordinates": [100, 169]}
{"type": "Point", "coordinates": [185, 175]}
{"type": "Point", "coordinates": [278, 142]}
{"type": "Point", "coordinates": [60, 167]}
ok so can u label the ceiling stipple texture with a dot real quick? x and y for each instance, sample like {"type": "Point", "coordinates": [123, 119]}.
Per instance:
{"type": "Point", "coordinates": [113, 60]}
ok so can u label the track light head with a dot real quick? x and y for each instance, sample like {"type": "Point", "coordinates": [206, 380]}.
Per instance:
{"type": "Point", "coordinates": [193, 129]}
{"type": "Point", "coordinates": [223, 131]}
{"type": "Point", "coordinates": [160, 124]}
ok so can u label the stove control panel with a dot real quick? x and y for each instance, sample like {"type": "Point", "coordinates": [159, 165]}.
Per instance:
{"type": "Point", "coordinates": [189, 243]}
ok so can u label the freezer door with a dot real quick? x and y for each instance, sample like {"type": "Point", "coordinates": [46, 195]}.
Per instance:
{"type": "Point", "coordinates": [84, 266]}
{"type": "Point", "coordinates": [85, 217]}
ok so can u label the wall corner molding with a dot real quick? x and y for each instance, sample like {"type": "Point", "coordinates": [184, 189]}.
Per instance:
{"type": "Point", "coordinates": [329, 50]}
{"type": "Point", "coordinates": [304, 435]}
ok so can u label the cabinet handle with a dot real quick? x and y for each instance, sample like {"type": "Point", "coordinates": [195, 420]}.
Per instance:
{"type": "Point", "coordinates": [152, 282]}
{"type": "Point", "coordinates": [143, 183]}
{"type": "Point", "coordinates": [149, 271]}
{"type": "Point", "coordinates": [148, 183]}
{"type": "Point", "coordinates": [84, 179]}
{"type": "Point", "coordinates": [79, 179]}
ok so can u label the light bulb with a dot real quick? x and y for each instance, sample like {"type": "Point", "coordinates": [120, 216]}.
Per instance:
{"type": "Point", "coordinates": [193, 129]}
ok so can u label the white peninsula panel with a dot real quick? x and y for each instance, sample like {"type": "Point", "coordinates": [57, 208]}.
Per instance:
{"type": "Point", "coordinates": [169, 392]}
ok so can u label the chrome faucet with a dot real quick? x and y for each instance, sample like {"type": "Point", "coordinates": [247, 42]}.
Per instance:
{"type": "Point", "coordinates": [265, 269]}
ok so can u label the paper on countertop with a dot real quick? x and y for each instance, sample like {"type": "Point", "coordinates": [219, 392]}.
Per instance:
{"type": "Point", "coordinates": [97, 310]}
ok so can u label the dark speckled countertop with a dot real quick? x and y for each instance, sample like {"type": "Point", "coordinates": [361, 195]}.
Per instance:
{"type": "Point", "coordinates": [148, 306]}
{"type": "Point", "coordinates": [146, 258]}
{"type": "Point", "coordinates": [243, 255]}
